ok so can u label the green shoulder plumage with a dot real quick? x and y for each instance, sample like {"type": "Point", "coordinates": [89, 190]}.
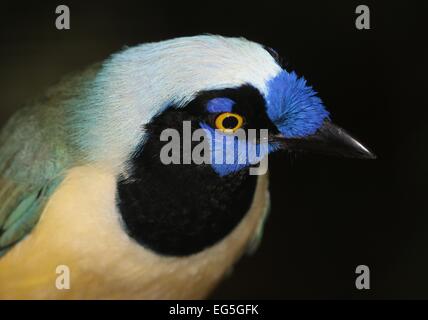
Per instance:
{"type": "Point", "coordinates": [33, 159]}
{"type": "Point", "coordinates": [37, 146]}
{"type": "Point", "coordinates": [36, 149]}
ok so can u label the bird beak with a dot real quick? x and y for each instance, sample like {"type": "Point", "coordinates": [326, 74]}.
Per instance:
{"type": "Point", "coordinates": [329, 139]}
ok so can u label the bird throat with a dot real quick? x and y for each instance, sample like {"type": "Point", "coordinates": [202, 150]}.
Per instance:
{"type": "Point", "coordinates": [179, 210]}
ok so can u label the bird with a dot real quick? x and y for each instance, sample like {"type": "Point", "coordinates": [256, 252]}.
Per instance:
{"type": "Point", "coordinates": [83, 185]}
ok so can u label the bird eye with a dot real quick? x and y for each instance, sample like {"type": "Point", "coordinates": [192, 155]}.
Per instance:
{"type": "Point", "coordinates": [229, 122]}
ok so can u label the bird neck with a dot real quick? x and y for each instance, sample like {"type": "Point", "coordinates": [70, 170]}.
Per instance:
{"type": "Point", "coordinates": [180, 210]}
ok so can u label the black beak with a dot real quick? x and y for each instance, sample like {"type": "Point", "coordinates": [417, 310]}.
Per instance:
{"type": "Point", "coordinates": [329, 139]}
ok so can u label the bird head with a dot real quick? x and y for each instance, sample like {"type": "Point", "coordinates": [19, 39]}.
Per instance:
{"type": "Point", "coordinates": [218, 84]}
{"type": "Point", "coordinates": [214, 84]}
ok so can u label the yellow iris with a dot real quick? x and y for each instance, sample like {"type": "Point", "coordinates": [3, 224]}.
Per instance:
{"type": "Point", "coordinates": [229, 122]}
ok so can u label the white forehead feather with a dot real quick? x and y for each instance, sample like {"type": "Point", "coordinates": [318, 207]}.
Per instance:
{"type": "Point", "coordinates": [175, 70]}
{"type": "Point", "coordinates": [137, 83]}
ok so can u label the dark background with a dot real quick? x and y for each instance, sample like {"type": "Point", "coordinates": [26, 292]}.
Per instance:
{"type": "Point", "coordinates": [328, 215]}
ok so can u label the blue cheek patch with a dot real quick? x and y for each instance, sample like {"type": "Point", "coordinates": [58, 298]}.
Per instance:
{"type": "Point", "coordinates": [293, 106]}
{"type": "Point", "coordinates": [230, 154]}
{"type": "Point", "coordinates": [220, 105]}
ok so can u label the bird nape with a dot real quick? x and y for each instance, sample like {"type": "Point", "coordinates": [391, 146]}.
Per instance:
{"type": "Point", "coordinates": [136, 174]}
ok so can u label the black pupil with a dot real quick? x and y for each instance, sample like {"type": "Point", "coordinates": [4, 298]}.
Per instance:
{"type": "Point", "coordinates": [230, 122]}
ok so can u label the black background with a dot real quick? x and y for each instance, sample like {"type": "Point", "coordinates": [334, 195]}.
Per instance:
{"type": "Point", "coordinates": [328, 215]}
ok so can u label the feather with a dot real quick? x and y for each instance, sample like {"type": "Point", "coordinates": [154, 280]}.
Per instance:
{"type": "Point", "coordinates": [31, 168]}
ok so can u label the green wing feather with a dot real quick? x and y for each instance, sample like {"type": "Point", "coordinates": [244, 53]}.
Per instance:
{"type": "Point", "coordinates": [32, 162]}
{"type": "Point", "coordinates": [21, 215]}
{"type": "Point", "coordinates": [36, 149]}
